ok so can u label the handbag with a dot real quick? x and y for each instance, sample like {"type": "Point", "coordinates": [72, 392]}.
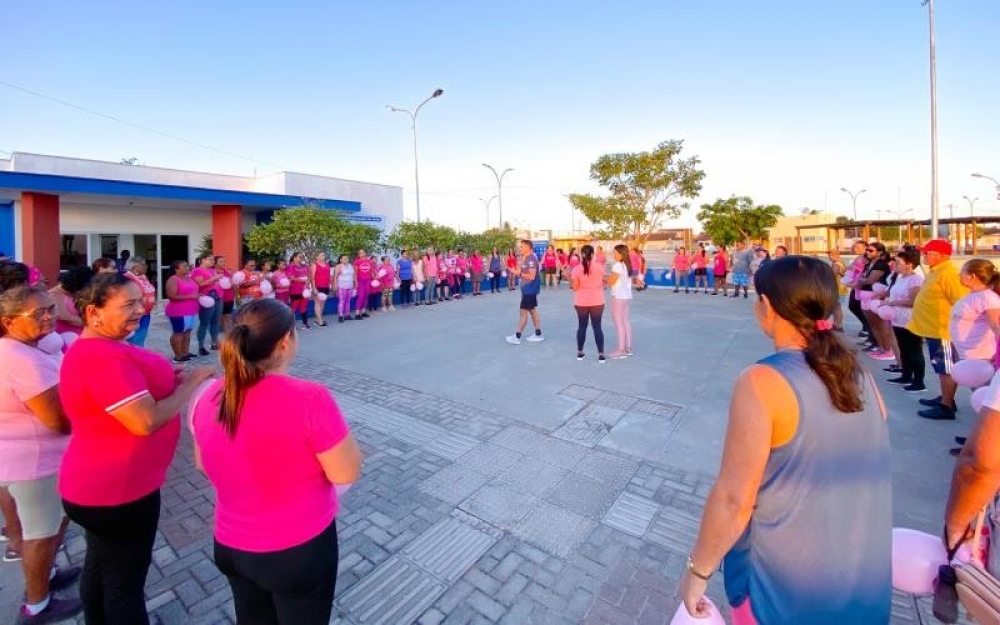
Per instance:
{"type": "Point", "coordinates": [978, 590]}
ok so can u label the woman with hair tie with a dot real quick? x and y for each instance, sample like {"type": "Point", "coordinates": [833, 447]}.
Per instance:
{"type": "Point", "coordinates": [122, 402]}
{"type": "Point", "coordinates": [801, 510]}
{"type": "Point", "coordinates": [275, 471]}
{"type": "Point", "coordinates": [620, 282]}
{"type": "Point", "coordinates": [587, 282]}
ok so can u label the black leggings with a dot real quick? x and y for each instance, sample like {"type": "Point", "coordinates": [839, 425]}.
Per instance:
{"type": "Point", "coordinates": [592, 315]}
{"type": "Point", "coordinates": [405, 294]}
{"type": "Point", "coordinates": [854, 305]}
{"type": "Point", "coordinates": [119, 550]}
{"type": "Point", "coordinates": [495, 282]}
{"type": "Point", "coordinates": [911, 355]}
{"type": "Point", "coordinates": [291, 586]}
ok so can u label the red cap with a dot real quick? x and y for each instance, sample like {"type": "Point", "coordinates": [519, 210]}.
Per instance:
{"type": "Point", "coordinates": [937, 245]}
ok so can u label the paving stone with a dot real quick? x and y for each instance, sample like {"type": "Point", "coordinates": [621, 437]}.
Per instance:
{"type": "Point", "coordinates": [554, 529]}
{"type": "Point", "coordinates": [489, 459]}
{"type": "Point", "coordinates": [607, 468]}
{"type": "Point", "coordinates": [631, 514]}
{"type": "Point", "coordinates": [582, 495]}
{"type": "Point", "coordinates": [454, 484]}
{"type": "Point", "coordinates": [583, 393]}
{"type": "Point", "coordinates": [448, 549]}
{"type": "Point", "coordinates": [674, 529]}
{"type": "Point", "coordinates": [452, 446]}
{"type": "Point", "coordinates": [560, 453]}
{"type": "Point", "coordinates": [499, 505]}
{"type": "Point", "coordinates": [582, 432]}
{"type": "Point", "coordinates": [396, 592]}
{"type": "Point", "coordinates": [656, 408]}
{"type": "Point", "coordinates": [533, 476]}
{"type": "Point", "coordinates": [519, 439]}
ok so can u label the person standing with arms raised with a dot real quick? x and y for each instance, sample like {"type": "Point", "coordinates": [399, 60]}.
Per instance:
{"type": "Point", "coordinates": [531, 285]}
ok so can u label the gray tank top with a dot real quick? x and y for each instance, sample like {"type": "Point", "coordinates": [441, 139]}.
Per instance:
{"type": "Point", "coordinates": [818, 546]}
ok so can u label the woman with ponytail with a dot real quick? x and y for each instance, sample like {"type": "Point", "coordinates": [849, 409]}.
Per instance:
{"type": "Point", "coordinates": [620, 282]}
{"type": "Point", "coordinates": [587, 282]}
{"type": "Point", "coordinates": [802, 508]}
{"type": "Point", "coordinates": [975, 319]}
{"type": "Point", "coordinates": [276, 472]}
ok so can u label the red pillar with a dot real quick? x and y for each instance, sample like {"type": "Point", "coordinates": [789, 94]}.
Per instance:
{"type": "Point", "coordinates": [40, 238]}
{"type": "Point", "coordinates": [227, 233]}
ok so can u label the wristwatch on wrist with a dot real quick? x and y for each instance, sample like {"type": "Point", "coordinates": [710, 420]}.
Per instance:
{"type": "Point", "coordinates": [694, 572]}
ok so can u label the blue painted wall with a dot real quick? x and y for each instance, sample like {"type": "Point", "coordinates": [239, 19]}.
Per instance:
{"type": "Point", "coordinates": [7, 228]}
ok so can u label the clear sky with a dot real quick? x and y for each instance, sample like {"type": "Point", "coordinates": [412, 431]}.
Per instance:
{"type": "Point", "coordinates": [783, 100]}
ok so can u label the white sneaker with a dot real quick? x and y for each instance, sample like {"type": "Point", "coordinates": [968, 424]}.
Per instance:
{"type": "Point", "coordinates": [513, 340]}
{"type": "Point", "coordinates": [535, 338]}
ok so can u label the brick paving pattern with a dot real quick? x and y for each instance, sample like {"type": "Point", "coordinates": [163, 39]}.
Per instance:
{"type": "Point", "coordinates": [464, 516]}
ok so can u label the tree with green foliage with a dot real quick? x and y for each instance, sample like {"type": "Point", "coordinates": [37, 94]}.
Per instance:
{"type": "Point", "coordinates": [413, 235]}
{"type": "Point", "coordinates": [310, 230]}
{"type": "Point", "coordinates": [502, 239]}
{"type": "Point", "coordinates": [644, 188]}
{"type": "Point", "coordinates": [727, 221]}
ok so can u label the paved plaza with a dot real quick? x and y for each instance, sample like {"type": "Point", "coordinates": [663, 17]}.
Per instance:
{"type": "Point", "coordinates": [513, 484]}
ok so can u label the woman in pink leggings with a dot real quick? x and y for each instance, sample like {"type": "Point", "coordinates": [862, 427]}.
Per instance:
{"type": "Point", "coordinates": [620, 281]}
{"type": "Point", "coordinates": [344, 277]}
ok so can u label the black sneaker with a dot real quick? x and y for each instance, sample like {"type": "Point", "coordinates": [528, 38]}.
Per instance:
{"type": "Point", "coordinates": [960, 440]}
{"type": "Point", "coordinates": [938, 413]}
{"type": "Point", "coordinates": [900, 380]}
{"type": "Point", "coordinates": [580, 356]}
{"type": "Point", "coordinates": [916, 388]}
{"type": "Point", "coordinates": [202, 351]}
{"type": "Point", "coordinates": [955, 451]}
{"type": "Point", "coordinates": [64, 578]}
{"type": "Point", "coordinates": [934, 402]}
{"type": "Point", "coordinates": [601, 359]}
{"type": "Point", "coordinates": [893, 369]}
{"type": "Point", "coordinates": [57, 610]}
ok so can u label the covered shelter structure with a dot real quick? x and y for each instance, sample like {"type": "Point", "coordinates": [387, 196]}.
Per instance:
{"type": "Point", "coordinates": [976, 235]}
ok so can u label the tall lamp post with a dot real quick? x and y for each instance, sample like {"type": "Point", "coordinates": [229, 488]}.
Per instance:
{"type": "Point", "coordinates": [499, 178]}
{"type": "Point", "coordinates": [487, 203]}
{"type": "Point", "coordinates": [413, 120]}
{"type": "Point", "coordinates": [996, 183]}
{"type": "Point", "coordinates": [972, 204]}
{"type": "Point", "coordinates": [934, 151]}
{"type": "Point", "coordinates": [854, 200]}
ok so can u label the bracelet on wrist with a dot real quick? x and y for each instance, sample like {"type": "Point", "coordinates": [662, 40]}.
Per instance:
{"type": "Point", "coordinates": [691, 569]}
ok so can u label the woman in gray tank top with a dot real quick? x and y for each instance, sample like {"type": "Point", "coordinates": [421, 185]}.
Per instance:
{"type": "Point", "coordinates": [802, 508]}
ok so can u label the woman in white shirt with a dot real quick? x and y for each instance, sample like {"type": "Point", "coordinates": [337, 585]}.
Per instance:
{"type": "Point", "coordinates": [620, 281]}
{"type": "Point", "coordinates": [901, 296]}
{"type": "Point", "coordinates": [975, 319]}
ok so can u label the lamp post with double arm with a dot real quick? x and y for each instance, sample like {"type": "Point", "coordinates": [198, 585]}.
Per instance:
{"type": "Point", "coordinates": [413, 120]}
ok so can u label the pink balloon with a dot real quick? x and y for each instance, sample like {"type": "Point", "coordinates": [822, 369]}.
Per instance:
{"type": "Point", "coordinates": [978, 397]}
{"type": "Point", "coordinates": [376, 284]}
{"type": "Point", "coordinates": [973, 373]}
{"type": "Point", "coordinates": [68, 339]}
{"type": "Point", "coordinates": [206, 301]}
{"type": "Point", "coordinates": [322, 296]}
{"type": "Point", "coordinates": [878, 287]}
{"type": "Point", "coordinates": [864, 296]}
{"type": "Point", "coordinates": [916, 557]}
{"type": "Point", "coordinates": [307, 293]}
{"type": "Point", "coordinates": [284, 283]}
{"type": "Point", "coordinates": [681, 616]}
{"type": "Point", "coordinates": [887, 312]}
{"type": "Point", "coordinates": [239, 278]}
{"type": "Point", "coordinates": [225, 284]}
{"type": "Point", "coordinates": [51, 344]}
{"type": "Point", "coordinates": [266, 288]}
{"type": "Point", "coordinates": [875, 304]}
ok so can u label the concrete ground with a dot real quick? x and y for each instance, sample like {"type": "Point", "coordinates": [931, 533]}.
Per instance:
{"type": "Point", "coordinates": [512, 483]}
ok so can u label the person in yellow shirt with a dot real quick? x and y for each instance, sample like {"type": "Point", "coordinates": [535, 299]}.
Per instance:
{"type": "Point", "coordinates": [931, 315]}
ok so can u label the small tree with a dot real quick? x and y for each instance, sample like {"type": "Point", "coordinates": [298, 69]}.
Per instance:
{"type": "Point", "coordinates": [311, 230]}
{"type": "Point", "coordinates": [411, 235]}
{"type": "Point", "coordinates": [727, 221]}
{"type": "Point", "coordinates": [644, 188]}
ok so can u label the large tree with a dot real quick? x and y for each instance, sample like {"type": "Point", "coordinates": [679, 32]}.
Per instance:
{"type": "Point", "coordinates": [310, 230]}
{"type": "Point", "coordinates": [419, 235]}
{"type": "Point", "coordinates": [644, 188]}
{"type": "Point", "coordinates": [730, 220]}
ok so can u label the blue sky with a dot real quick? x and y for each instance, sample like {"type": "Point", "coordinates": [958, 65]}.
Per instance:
{"type": "Point", "coordinates": [785, 101]}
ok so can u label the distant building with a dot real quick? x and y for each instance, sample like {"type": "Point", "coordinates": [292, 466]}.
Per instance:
{"type": "Point", "coordinates": [814, 241]}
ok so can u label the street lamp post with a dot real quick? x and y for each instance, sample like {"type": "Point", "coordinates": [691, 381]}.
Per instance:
{"type": "Point", "coordinates": [996, 183]}
{"type": "Point", "coordinates": [499, 178]}
{"type": "Point", "coordinates": [972, 204]}
{"type": "Point", "coordinates": [413, 120]}
{"type": "Point", "coordinates": [487, 203]}
{"type": "Point", "coordinates": [854, 200]}
{"type": "Point", "coordinates": [934, 151]}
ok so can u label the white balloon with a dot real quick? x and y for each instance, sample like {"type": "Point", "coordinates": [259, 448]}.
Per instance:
{"type": "Point", "coordinates": [916, 557]}
{"type": "Point", "coordinates": [413, 287]}
{"type": "Point", "coordinates": [878, 287]}
{"type": "Point", "coordinates": [381, 273]}
{"type": "Point", "coordinates": [491, 275]}
{"type": "Point", "coordinates": [321, 296]}
{"type": "Point", "coordinates": [51, 344]}
{"type": "Point", "coordinates": [266, 288]}
{"type": "Point", "coordinates": [875, 304]}
{"type": "Point", "coordinates": [225, 284]}
{"type": "Point", "coordinates": [307, 293]}
{"type": "Point", "coordinates": [503, 274]}
{"type": "Point", "coordinates": [978, 398]}
{"type": "Point", "coordinates": [846, 281]}
{"type": "Point", "coordinates": [681, 616]}
{"type": "Point", "coordinates": [239, 278]}
{"type": "Point", "coordinates": [270, 296]}
{"type": "Point", "coordinates": [887, 312]}
{"type": "Point", "coordinates": [972, 373]}
{"type": "Point", "coordinates": [396, 283]}
{"type": "Point", "coordinates": [419, 285]}
{"type": "Point", "coordinates": [206, 301]}
{"type": "Point", "coordinates": [376, 284]}
{"type": "Point", "coordinates": [284, 283]}
{"type": "Point", "coordinates": [68, 338]}
{"type": "Point", "coordinates": [865, 296]}
{"type": "Point", "coordinates": [468, 275]}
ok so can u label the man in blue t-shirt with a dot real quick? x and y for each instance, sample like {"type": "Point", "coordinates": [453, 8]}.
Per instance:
{"type": "Point", "coordinates": [531, 284]}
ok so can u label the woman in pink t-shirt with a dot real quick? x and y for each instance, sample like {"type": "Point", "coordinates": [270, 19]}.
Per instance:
{"type": "Point", "coordinates": [682, 268]}
{"type": "Point", "coordinates": [181, 309]}
{"type": "Point", "coordinates": [699, 261]}
{"type": "Point", "coordinates": [68, 318]}
{"type": "Point", "coordinates": [298, 276]}
{"type": "Point", "coordinates": [275, 466]}
{"type": "Point", "coordinates": [34, 432]}
{"type": "Point", "coordinates": [320, 273]}
{"type": "Point", "coordinates": [364, 271]}
{"type": "Point", "coordinates": [281, 282]}
{"type": "Point", "coordinates": [975, 319]}
{"type": "Point", "coordinates": [587, 282]}
{"type": "Point", "coordinates": [209, 317]}
{"type": "Point", "coordinates": [123, 402]}
{"type": "Point", "coordinates": [228, 295]}
{"type": "Point", "coordinates": [476, 268]}
{"type": "Point", "coordinates": [550, 265]}
{"type": "Point", "coordinates": [511, 270]}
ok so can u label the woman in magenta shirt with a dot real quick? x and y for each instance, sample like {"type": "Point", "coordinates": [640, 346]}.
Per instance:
{"type": "Point", "coordinates": [209, 318]}
{"type": "Point", "coordinates": [181, 309]}
{"type": "Point", "coordinates": [298, 276]}
{"type": "Point", "coordinates": [320, 272]}
{"type": "Point", "coordinates": [476, 269]}
{"type": "Point", "coordinates": [587, 282]}
{"type": "Point", "coordinates": [228, 295]}
{"type": "Point", "coordinates": [125, 431]}
{"type": "Point", "coordinates": [275, 471]}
